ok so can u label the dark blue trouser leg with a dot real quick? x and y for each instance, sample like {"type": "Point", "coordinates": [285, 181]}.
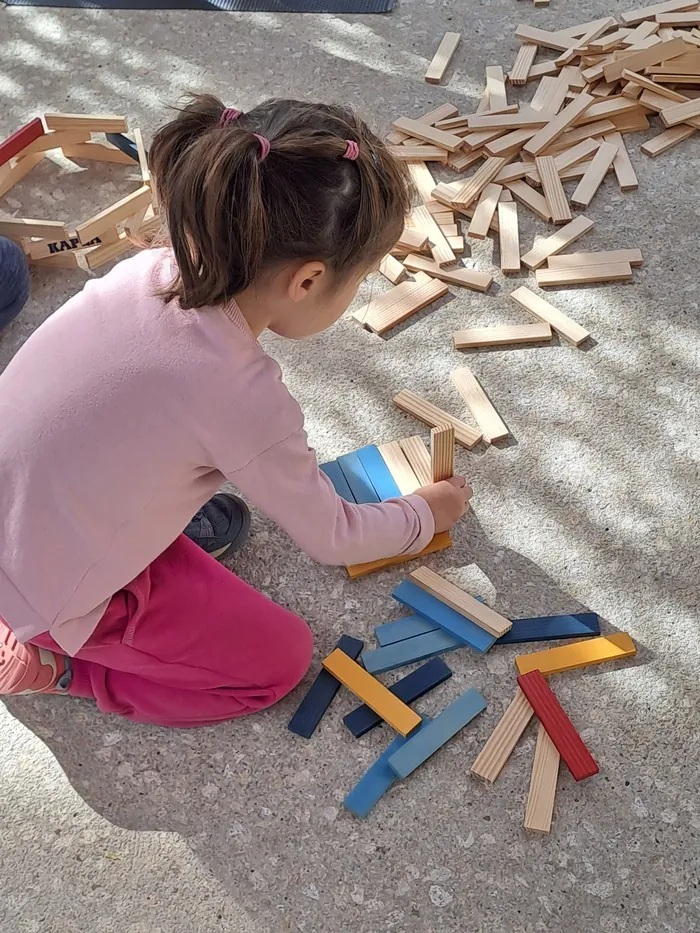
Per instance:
{"type": "Point", "coordinates": [14, 281]}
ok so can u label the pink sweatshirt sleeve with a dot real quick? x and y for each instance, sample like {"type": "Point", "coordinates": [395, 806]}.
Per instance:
{"type": "Point", "coordinates": [286, 483]}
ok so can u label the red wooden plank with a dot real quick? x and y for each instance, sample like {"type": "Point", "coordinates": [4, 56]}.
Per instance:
{"type": "Point", "coordinates": [14, 144]}
{"type": "Point", "coordinates": [549, 711]}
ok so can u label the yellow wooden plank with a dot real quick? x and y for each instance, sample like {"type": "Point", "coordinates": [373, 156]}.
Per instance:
{"type": "Point", "coordinates": [373, 693]}
{"type": "Point", "coordinates": [439, 543]}
{"type": "Point", "coordinates": [579, 654]}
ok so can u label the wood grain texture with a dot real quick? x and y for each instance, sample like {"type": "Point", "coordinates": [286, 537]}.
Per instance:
{"type": "Point", "coordinates": [94, 122]}
{"type": "Point", "coordinates": [557, 242]}
{"type": "Point", "coordinates": [553, 189]}
{"type": "Point", "coordinates": [442, 452]}
{"type": "Point", "coordinates": [418, 153]}
{"type": "Point", "coordinates": [431, 415]}
{"type": "Point", "coordinates": [543, 784]}
{"type": "Point", "coordinates": [115, 214]}
{"type": "Point", "coordinates": [549, 133]}
{"type": "Point", "coordinates": [584, 275]}
{"type": "Point", "coordinates": [591, 181]}
{"type": "Point", "coordinates": [622, 164]}
{"type": "Point", "coordinates": [499, 746]}
{"type": "Point", "coordinates": [471, 189]}
{"type": "Point", "coordinates": [524, 60]}
{"type": "Point", "coordinates": [501, 336]}
{"type": "Point", "coordinates": [399, 467]}
{"type": "Point", "coordinates": [392, 269]}
{"type": "Point", "coordinates": [632, 17]}
{"type": "Point", "coordinates": [423, 221]}
{"type": "Point", "coordinates": [545, 311]}
{"type": "Point", "coordinates": [528, 197]}
{"type": "Point", "coordinates": [428, 134]}
{"type": "Point", "coordinates": [455, 275]}
{"type": "Point", "coordinates": [399, 303]}
{"type": "Point", "coordinates": [661, 52]}
{"type": "Point", "coordinates": [454, 597]}
{"type": "Point", "coordinates": [442, 58]}
{"type": "Point", "coordinates": [508, 236]}
{"type": "Point", "coordinates": [666, 140]}
{"type": "Point", "coordinates": [568, 260]}
{"type": "Point", "coordinates": [484, 211]}
{"type": "Point", "coordinates": [418, 457]}
{"type": "Point", "coordinates": [479, 404]}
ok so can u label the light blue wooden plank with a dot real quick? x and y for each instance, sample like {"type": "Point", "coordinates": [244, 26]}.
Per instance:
{"type": "Point", "coordinates": [336, 476]}
{"type": "Point", "coordinates": [431, 608]}
{"type": "Point", "coordinates": [378, 779]}
{"type": "Point", "coordinates": [418, 648]}
{"type": "Point", "coordinates": [390, 632]}
{"type": "Point", "coordinates": [357, 478]}
{"type": "Point", "coordinates": [378, 472]}
{"type": "Point", "coordinates": [421, 746]}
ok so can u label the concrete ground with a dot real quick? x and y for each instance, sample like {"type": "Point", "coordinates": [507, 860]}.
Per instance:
{"type": "Point", "coordinates": [592, 505]}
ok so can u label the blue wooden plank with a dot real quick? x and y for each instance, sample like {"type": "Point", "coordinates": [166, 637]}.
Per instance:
{"type": "Point", "coordinates": [409, 651]}
{"type": "Point", "coordinates": [545, 628]}
{"type": "Point", "coordinates": [337, 477]}
{"type": "Point", "coordinates": [409, 689]}
{"type": "Point", "coordinates": [458, 625]}
{"type": "Point", "coordinates": [127, 146]}
{"type": "Point", "coordinates": [390, 632]}
{"type": "Point", "coordinates": [379, 474]}
{"type": "Point", "coordinates": [376, 781]}
{"type": "Point", "coordinates": [357, 478]}
{"type": "Point", "coordinates": [321, 692]}
{"type": "Point", "coordinates": [425, 743]}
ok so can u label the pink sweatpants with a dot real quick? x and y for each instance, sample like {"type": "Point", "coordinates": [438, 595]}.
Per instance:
{"type": "Point", "coordinates": [187, 643]}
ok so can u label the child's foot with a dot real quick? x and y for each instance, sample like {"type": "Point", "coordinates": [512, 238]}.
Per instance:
{"type": "Point", "coordinates": [221, 525]}
{"type": "Point", "coordinates": [28, 669]}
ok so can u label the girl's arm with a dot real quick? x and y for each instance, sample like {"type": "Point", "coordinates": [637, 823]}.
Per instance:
{"type": "Point", "coordinates": [286, 483]}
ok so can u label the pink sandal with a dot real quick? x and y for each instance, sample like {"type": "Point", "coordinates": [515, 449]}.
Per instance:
{"type": "Point", "coordinates": [27, 669]}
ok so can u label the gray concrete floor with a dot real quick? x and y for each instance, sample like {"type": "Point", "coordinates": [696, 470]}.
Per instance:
{"type": "Point", "coordinates": [591, 506]}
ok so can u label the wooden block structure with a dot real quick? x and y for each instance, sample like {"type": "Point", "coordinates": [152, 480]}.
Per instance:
{"type": "Point", "coordinates": [442, 449]}
{"type": "Point", "coordinates": [372, 693]}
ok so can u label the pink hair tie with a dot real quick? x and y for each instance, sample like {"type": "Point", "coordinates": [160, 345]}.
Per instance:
{"type": "Point", "coordinates": [229, 115]}
{"type": "Point", "coordinates": [264, 147]}
{"type": "Point", "coordinates": [353, 150]}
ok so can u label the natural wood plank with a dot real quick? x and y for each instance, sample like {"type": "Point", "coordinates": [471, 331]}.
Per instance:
{"type": "Point", "coordinates": [661, 52]}
{"type": "Point", "coordinates": [471, 189]}
{"type": "Point", "coordinates": [114, 214]}
{"type": "Point", "coordinates": [96, 152]}
{"type": "Point", "coordinates": [584, 275]}
{"type": "Point", "coordinates": [480, 405]}
{"type": "Point", "coordinates": [392, 269]}
{"type": "Point", "coordinates": [431, 415]}
{"type": "Point", "coordinates": [418, 457]}
{"type": "Point", "coordinates": [93, 122]}
{"type": "Point", "coordinates": [399, 303]}
{"type": "Point", "coordinates": [543, 784]}
{"type": "Point", "coordinates": [418, 153]}
{"type": "Point", "coordinates": [496, 87]}
{"type": "Point", "coordinates": [530, 198]}
{"type": "Point", "coordinates": [680, 113]}
{"type": "Point", "coordinates": [549, 133]}
{"type": "Point", "coordinates": [545, 311]}
{"type": "Point", "coordinates": [484, 211]}
{"type": "Point", "coordinates": [509, 143]}
{"type": "Point", "coordinates": [524, 61]}
{"type": "Point", "coordinates": [399, 467]}
{"type": "Point", "coordinates": [10, 174]}
{"type": "Point", "coordinates": [412, 239]}
{"type": "Point", "coordinates": [14, 228]}
{"type": "Point", "coordinates": [632, 17]}
{"type": "Point", "coordinates": [489, 763]}
{"type": "Point", "coordinates": [423, 221]}
{"type": "Point", "coordinates": [569, 260]}
{"type": "Point", "coordinates": [557, 242]}
{"type": "Point", "coordinates": [509, 236]}
{"type": "Point", "coordinates": [526, 118]}
{"type": "Point", "coordinates": [667, 140]}
{"type": "Point", "coordinates": [455, 275]}
{"type": "Point", "coordinates": [442, 452]}
{"type": "Point", "coordinates": [501, 336]}
{"type": "Point", "coordinates": [553, 189]}
{"type": "Point", "coordinates": [428, 133]}
{"type": "Point", "coordinates": [591, 181]}
{"type": "Point", "coordinates": [454, 597]}
{"type": "Point", "coordinates": [622, 164]}
{"type": "Point", "coordinates": [442, 58]}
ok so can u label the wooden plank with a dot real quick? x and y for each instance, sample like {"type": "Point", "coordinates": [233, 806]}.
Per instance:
{"type": "Point", "coordinates": [431, 415]}
{"type": "Point", "coordinates": [557, 242]}
{"type": "Point", "coordinates": [545, 311]}
{"type": "Point", "coordinates": [96, 152]}
{"type": "Point", "coordinates": [558, 41]}
{"type": "Point", "coordinates": [11, 173]}
{"type": "Point", "coordinates": [509, 236]}
{"type": "Point", "coordinates": [109, 251]}
{"type": "Point", "coordinates": [93, 122]}
{"type": "Point", "coordinates": [376, 781]}
{"type": "Point", "coordinates": [513, 172]}
{"type": "Point", "coordinates": [649, 85]}
{"type": "Point", "coordinates": [584, 275]}
{"type": "Point", "coordinates": [428, 134]}
{"type": "Point", "coordinates": [677, 79]}
{"type": "Point", "coordinates": [439, 543]}
{"type": "Point", "coordinates": [567, 158]}
{"type": "Point", "coordinates": [449, 230]}
{"type": "Point", "coordinates": [399, 467]}
{"type": "Point", "coordinates": [321, 693]}
{"type": "Point", "coordinates": [496, 87]}
{"type": "Point", "coordinates": [579, 654]}
{"type": "Point", "coordinates": [510, 143]}
{"type": "Point", "coordinates": [632, 17]}
{"type": "Point", "coordinates": [501, 336]}
{"type": "Point", "coordinates": [442, 446]}
{"type": "Point", "coordinates": [423, 221]}
{"type": "Point", "coordinates": [433, 736]}
{"type": "Point", "coordinates": [479, 404]}
{"type": "Point", "coordinates": [553, 190]}
{"type": "Point", "coordinates": [431, 118]}
{"type": "Point", "coordinates": [412, 239]}
{"type": "Point", "coordinates": [622, 164]}
{"type": "Point", "coordinates": [399, 303]}
{"type": "Point", "coordinates": [526, 118]}
{"type": "Point", "coordinates": [680, 113]}
{"type": "Point", "coordinates": [59, 260]}
{"type": "Point", "coordinates": [543, 784]}
{"type": "Point", "coordinates": [546, 628]}
{"type": "Point", "coordinates": [50, 141]}
{"type": "Point", "coordinates": [457, 275]}
{"type": "Point", "coordinates": [392, 269]}
{"type": "Point", "coordinates": [484, 211]}
{"type": "Point", "coordinates": [463, 603]}
{"type": "Point", "coordinates": [15, 228]}
{"type": "Point", "coordinates": [418, 457]}
{"type": "Point", "coordinates": [591, 181]}
{"type": "Point", "coordinates": [489, 763]}
{"type": "Point", "coordinates": [524, 61]}
{"type": "Point", "coordinates": [471, 189]}
{"type": "Point", "coordinates": [559, 727]}
{"type": "Point", "coordinates": [422, 178]}
{"type": "Point", "coordinates": [379, 474]}
{"type": "Point", "coordinates": [461, 161]}
{"type": "Point", "coordinates": [442, 58]}
{"type": "Point", "coordinates": [581, 133]}
{"type": "Point", "coordinates": [568, 260]}
{"type": "Point", "coordinates": [610, 109]}
{"type": "Point", "coordinates": [549, 133]}
{"type": "Point", "coordinates": [661, 52]}
{"type": "Point", "coordinates": [418, 153]}
{"type": "Point", "coordinates": [114, 214]}
{"type": "Point", "coordinates": [409, 689]}
{"type": "Point", "coordinates": [523, 193]}
{"type": "Point", "coordinates": [20, 139]}
{"type": "Point", "coordinates": [389, 633]}
{"type": "Point", "coordinates": [373, 693]}
{"type": "Point", "coordinates": [666, 140]}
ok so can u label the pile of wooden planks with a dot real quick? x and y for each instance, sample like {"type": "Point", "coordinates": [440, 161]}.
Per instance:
{"type": "Point", "coordinates": [99, 239]}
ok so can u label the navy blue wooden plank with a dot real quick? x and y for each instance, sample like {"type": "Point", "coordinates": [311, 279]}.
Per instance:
{"type": "Point", "coordinates": [410, 651]}
{"type": "Point", "coordinates": [357, 478]}
{"type": "Point", "coordinates": [127, 146]}
{"type": "Point", "coordinates": [337, 477]}
{"type": "Point", "coordinates": [321, 692]}
{"type": "Point", "coordinates": [421, 745]}
{"type": "Point", "coordinates": [377, 780]}
{"type": "Point", "coordinates": [409, 689]}
{"type": "Point", "coordinates": [454, 622]}
{"type": "Point", "coordinates": [378, 472]}
{"type": "Point", "coordinates": [546, 628]}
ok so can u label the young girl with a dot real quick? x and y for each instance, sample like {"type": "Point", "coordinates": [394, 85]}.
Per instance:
{"type": "Point", "coordinates": [126, 410]}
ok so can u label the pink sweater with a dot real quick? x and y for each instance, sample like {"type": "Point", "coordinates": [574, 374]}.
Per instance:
{"type": "Point", "coordinates": [119, 418]}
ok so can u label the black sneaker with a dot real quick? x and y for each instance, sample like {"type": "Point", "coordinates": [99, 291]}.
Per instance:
{"type": "Point", "coordinates": [221, 525]}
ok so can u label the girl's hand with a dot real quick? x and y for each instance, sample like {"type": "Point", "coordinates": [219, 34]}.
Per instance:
{"type": "Point", "coordinates": [448, 501]}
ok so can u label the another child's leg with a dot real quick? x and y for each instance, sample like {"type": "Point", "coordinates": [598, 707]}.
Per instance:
{"type": "Point", "coordinates": [188, 643]}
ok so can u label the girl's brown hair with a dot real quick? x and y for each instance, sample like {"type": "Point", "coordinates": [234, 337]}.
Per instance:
{"type": "Point", "coordinates": [231, 215]}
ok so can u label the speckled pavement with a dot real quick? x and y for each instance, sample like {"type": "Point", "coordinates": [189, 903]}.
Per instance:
{"type": "Point", "coordinates": [592, 505]}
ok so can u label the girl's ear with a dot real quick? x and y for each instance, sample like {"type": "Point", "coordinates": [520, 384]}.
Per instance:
{"type": "Point", "coordinates": [306, 280]}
